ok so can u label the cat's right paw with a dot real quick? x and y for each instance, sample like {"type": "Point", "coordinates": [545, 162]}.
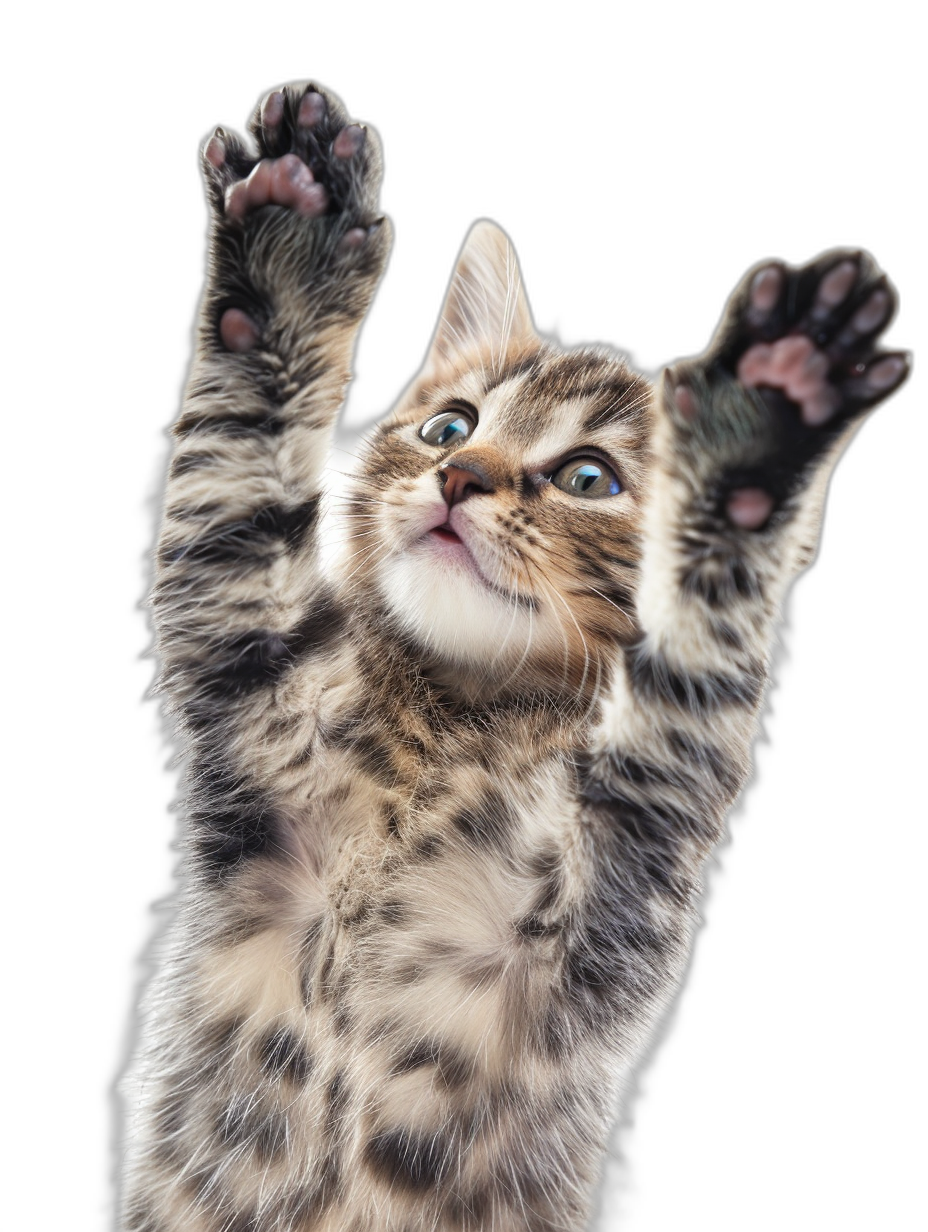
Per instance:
{"type": "Point", "coordinates": [310, 189]}
{"type": "Point", "coordinates": [310, 159]}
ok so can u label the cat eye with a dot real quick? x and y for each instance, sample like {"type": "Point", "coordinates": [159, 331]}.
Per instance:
{"type": "Point", "coordinates": [586, 477]}
{"type": "Point", "coordinates": [449, 427]}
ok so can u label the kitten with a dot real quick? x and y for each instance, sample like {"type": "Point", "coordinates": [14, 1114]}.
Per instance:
{"type": "Point", "coordinates": [449, 802]}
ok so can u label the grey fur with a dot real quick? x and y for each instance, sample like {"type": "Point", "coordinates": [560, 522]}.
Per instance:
{"type": "Point", "coordinates": [440, 881]}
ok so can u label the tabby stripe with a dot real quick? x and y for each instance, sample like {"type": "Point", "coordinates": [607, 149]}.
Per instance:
{"type": "Point", "coordinates": [725, 633]}
{"type": "Point", "coordinates": [240, 1124]}
{"type": "Point", "coordinates": [232, 424]}
{"type": "Point", "coordinates": [282, 1054]}
{"type": "Point", "coordinates": [720, 583]}
{"type": "Point", "coordinates": [413, 1161]}
{"type": "Point", "coordinates": [488, 822]}
{"type": "Point", "coordinates": [710, 759]}
{"type": "Point", "coordinates": [647, 774]}
{"type": "Point", "coordinates": [192, 461]}
{"type": "Point", "coordinates": [243, 663]}
{"type": "Point", "coordinates": [617, 405]}
{"type": "Point", "coordinates": [517, 368]}
{"type": "Point", "coordinates": [593, 566]}
{"type": "Point", "coordinates": [231, 821]}
{"type": "Point", "coordinates": [231, 837]}
{"type": "Point", "coordinates": [606, 779]}
{"type": "Point", "coordinates": [653, 824]}
{"type": "Point", "coordinates": [337, 1102]}
{"type": "Point", "coordinates": [255, 659]}
{"type": "Point", "coordinates": [453, 1067]}
{"type": "Point", "coordinates": [615, 963]}
{"type": "Point", "coordinates": [373, 754]}
{"type": "Point", "coordinates": [699, 694]}
{"type": "Point", "coordinates": [616, 958]}
{"type": "Point", "coordinates": [247, 541]}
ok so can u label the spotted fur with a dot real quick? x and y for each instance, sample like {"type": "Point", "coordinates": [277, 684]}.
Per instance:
{"type": "Point", "coordinates": [445, 828]}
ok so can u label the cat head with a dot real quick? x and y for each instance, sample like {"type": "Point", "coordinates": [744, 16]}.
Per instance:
{"type": "Point", "coordinates": [496, 511]}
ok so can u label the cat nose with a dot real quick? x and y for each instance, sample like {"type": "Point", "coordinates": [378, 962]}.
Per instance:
{"type": "Point", "coordinates": [458, 482]}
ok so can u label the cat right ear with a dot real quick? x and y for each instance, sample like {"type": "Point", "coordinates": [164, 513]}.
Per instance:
{"type": "Point", "coordinates": [486, 309]}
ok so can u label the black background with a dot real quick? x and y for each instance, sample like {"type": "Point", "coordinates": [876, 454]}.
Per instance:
{"type": "Point", "coordinates": [636, 195]}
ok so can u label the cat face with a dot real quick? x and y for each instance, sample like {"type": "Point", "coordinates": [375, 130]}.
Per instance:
{"type": "Point", "coordinates": [498, 507]}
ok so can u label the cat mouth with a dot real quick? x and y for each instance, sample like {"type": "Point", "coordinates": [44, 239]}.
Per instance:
{"type": "Point", "coordinates": [453, 549]}
{"type": "Point", "coordinates": [446, 534]}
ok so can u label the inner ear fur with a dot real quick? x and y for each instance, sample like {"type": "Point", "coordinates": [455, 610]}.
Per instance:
{"type": "Point", "coordinates": [486, 308]}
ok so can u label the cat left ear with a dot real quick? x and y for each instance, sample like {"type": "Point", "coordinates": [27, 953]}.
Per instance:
{"type": "Point", "coordinates": [485, 309]}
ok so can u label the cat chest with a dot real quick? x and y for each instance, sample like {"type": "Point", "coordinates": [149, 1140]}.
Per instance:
{"type": "Point", "coordinates": [444, 926]}
{"type": "Point", "coordinates": [456, 849]}
{"type": "Point", "coordinates": [433, 903]}
{"type": "Point", "coordinates": [407, 958]}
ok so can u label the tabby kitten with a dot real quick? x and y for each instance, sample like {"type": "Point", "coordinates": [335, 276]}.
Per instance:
{"type": "Point", "coordinates": [450, 800]}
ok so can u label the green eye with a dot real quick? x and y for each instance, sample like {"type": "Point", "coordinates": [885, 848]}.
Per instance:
{"type": "Point", "coordinates": [586, 477]}
{"type": "Point", "coordinates": [449, 427]}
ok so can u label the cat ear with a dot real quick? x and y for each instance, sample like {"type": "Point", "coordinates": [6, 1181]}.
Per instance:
{"type": "Point", "coordinates": [485, 308]}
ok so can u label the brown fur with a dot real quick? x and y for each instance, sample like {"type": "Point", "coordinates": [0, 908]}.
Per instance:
{"type": "Point", "coordinates": [445, 834]}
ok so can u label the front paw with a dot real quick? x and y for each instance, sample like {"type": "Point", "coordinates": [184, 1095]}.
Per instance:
{"type": "Point", "coordinates": [793, 362]}
{"type": "Point", "coordinates": [811, 333]}
{"type": "Point", "coordinates": [311, 159]}
{"type": "Point", "coordinates": [299, 214]}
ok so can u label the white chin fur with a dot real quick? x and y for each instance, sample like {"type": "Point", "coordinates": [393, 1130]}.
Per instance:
{"type": "Point", "coordinates": [450, 610]}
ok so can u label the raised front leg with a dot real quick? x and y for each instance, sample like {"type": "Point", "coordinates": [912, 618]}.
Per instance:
{"type": "Point", "coordinates": [296, 250]}
{"type": "Point", "coordinates": [746, 438]}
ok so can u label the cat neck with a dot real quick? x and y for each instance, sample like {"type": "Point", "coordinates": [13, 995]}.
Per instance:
{"type": "Point", "coordinates": [569, 691]}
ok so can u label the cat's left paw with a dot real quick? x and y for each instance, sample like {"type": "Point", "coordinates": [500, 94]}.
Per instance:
{"type": "Point", "coordinates": [803, 342]}
{"type": "Point", "coordinates": [812, 333]}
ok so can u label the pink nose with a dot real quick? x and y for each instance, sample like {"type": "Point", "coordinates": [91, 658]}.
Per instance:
{"type": "Point", "coordinates": [459, 482]}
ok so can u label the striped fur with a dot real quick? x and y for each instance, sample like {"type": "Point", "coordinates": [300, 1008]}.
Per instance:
{"type": "Point", "coordinates": [445, 826]}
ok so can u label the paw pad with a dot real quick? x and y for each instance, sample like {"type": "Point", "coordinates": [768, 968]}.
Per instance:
{"type": "Point", "coordinates": [237, 331]}
{"type": "Point", "coordinates": [311, 159]}
{"type": "Point", "coordinates": [804, 342]}
{"type": "Point", "coordinates": [312, 110]}
{"type": "Point", "coordinates": [809, 333]}
{"type": "Point", "coordinates": [285, 181]}
{"type": "Point", "coordinates": [749, 508]}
